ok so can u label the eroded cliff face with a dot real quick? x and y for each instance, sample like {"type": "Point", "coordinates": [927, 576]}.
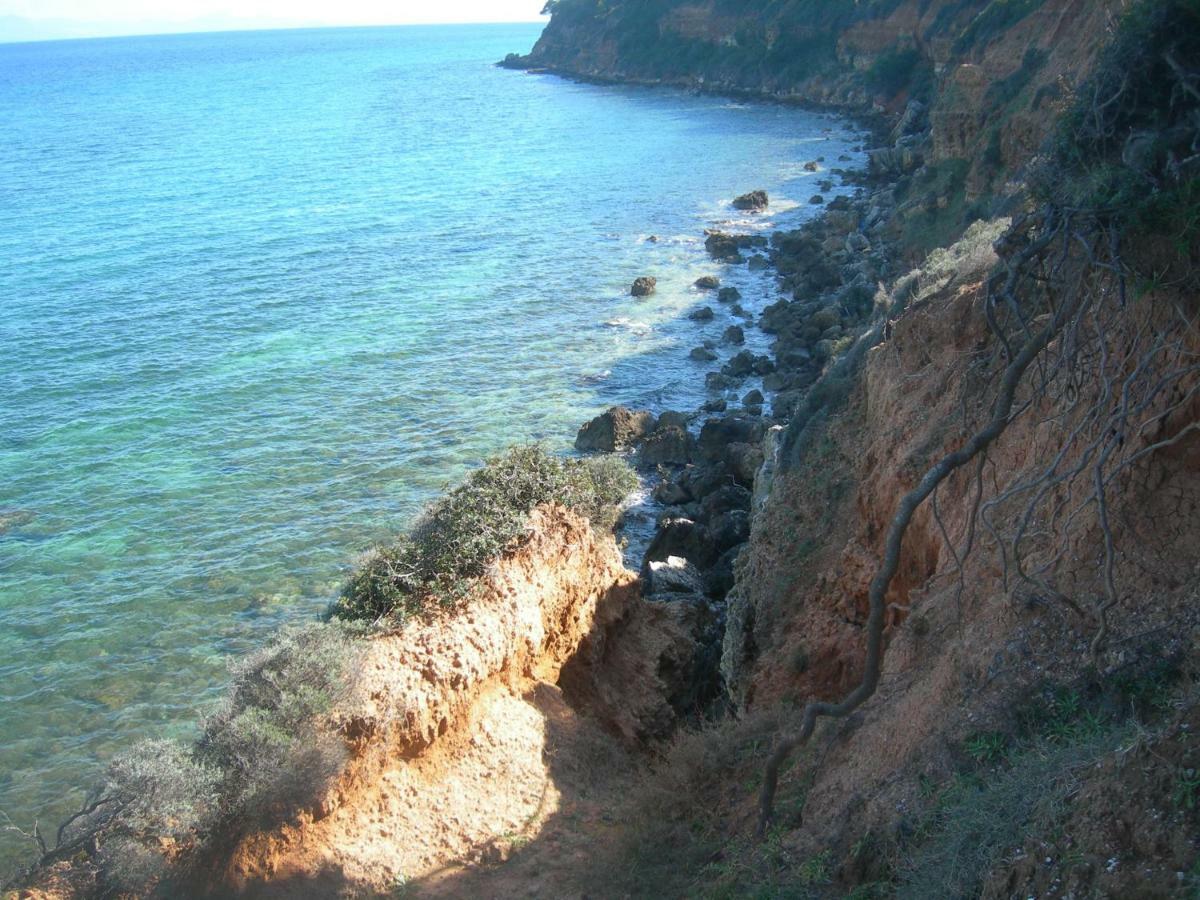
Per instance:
{"type": "Point", "coordinates": [968, 643]}
{"type": "Point", "coordinates": [462, 740]}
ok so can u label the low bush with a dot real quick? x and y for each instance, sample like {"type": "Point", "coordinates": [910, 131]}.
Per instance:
{"type": "Point", "coordinates": [267, 740]}
{"type": "Point", "coordinates": [969, 258]}
{"type": "Point", "coordinates": [470, 526]}
{"type": "Point", "coordinates": [1126, 149]}
{"type": "Point", "coordinates": [166, 808]}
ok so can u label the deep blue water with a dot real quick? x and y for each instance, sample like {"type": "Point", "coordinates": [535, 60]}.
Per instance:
{"type": "Point", "coordinates": [263, 294]}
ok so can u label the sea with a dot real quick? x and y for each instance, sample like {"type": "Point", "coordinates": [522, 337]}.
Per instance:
{"type": "Point", "coordinates": [264, 294]}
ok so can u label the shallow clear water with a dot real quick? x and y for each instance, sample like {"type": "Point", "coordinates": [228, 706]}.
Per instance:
{"type": "Point", "coordinates": [263, 294]}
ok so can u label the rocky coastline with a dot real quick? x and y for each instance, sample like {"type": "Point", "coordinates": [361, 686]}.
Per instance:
{"type": "Point", "coordinates": [704, 469]}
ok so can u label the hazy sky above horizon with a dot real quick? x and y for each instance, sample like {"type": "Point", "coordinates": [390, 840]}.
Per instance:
{"type": "Point", "coordinates": [33, 19]}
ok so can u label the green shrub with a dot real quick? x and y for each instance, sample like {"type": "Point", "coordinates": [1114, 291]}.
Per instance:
{"type": "Point", "coordinates": [1124, 151]}
{"type": "Point", "coordinates": [264, 755]}
{"type": "Point", "coordinates": [267, 740]}
{"type": "Point", "coordinates": [893, 70]}
{"type": "Point", "coordinates": [462, 533]}
{"type": "Point", "coordinates": [975, 820]}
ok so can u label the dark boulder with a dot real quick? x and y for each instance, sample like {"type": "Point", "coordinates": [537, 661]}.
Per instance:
{"type": "Point", "coordinates": [740, 366]}
{"type": "Point", "coordinates": [681, 537]}
{"type": "Point", "coordinates": [702, 480]}
{"type": "Point", "coordinates": [673, 419]}
{"type": "Point", "coordinates": [726, 498]}
{"type": "Point", "coordinates": [717, 434]}
{"type": "Point", "coordinates": [722, 246]}
{"type": "Point", "coordinates": [720, 574]}
{"type": "Point", "coordinates": [734, 335]}
{"type": "Point", "coordinates": [673, 575]}
{"type": "Point", "coordinates": [670, 493]}
{"type": "Point", "coordinates": [702, 354]}
{"type": "Point", "coordinates": [644, 286]}
{"type": "Point", "coordinates": [671, 446]}
{"type": "Point", "coordinates": [763, 365]}
{"type": "Point", "coordinates": [703, 314]}
{"type": "Point", "coordinates": [716, 381]}
{"type": "Point", "coordinates": [730, 529]}
{"type": "Point", "coordinates": [708, 282]}
{"type": "Point", "coordinates": [616, 429]}
{"type": "Point", "coordinates": [729, 295]}
{"type": "Point", "coordinates": [755, 201]}
{"type": "Point", "coordinates": [744, 461]}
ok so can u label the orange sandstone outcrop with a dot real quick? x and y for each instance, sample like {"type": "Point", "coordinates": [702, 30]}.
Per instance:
{"type": "Point", "coordinates": [455, 725]}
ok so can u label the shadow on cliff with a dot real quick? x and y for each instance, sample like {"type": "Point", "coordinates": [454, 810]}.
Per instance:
{"type": "Point", "coordinates": [589, 771]}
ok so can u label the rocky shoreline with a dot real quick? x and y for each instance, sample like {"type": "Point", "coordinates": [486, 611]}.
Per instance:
{"type": "Point", "coordinates": [705, 470]}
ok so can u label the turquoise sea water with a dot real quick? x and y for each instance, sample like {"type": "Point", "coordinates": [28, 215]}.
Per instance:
{"type": "Point", "coordinates": [263, 294]}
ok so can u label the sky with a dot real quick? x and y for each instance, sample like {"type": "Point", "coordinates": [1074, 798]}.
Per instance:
{"type": "Point", "coordinates": [43, 19]}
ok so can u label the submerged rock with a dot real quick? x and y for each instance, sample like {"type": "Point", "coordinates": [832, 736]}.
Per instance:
{"type": "Point", "coordinates": [14, 518]}
{"type": "Point", "coordinates": [708, 282]}
{"type": "Point", "coordinates": [702, 354]}
{"type": "Point", "coordinates": [729, 295]}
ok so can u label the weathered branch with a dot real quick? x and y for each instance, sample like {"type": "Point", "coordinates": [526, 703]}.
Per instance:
{"type": "Point", "coordinates": [891, 558]}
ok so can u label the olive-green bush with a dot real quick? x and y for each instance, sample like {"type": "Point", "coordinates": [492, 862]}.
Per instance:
{"type": "Point", "coordinates": [470, 526]}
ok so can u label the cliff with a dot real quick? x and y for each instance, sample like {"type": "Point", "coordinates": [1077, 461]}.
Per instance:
{"type": "Point", "coordinates": [912, 633]}
{"type": "Point", "coordinates": [971, 87]}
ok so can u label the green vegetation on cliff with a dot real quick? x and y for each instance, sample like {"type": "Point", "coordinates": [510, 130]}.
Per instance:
{"type": "Point", "coordinates": [1128, 149]}
{"type": "Point", "coordinates": [471, 525]}
{"type": "Point", "coordinates": [761, 45]}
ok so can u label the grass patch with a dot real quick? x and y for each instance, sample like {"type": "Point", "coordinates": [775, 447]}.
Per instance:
{"type": "Point", "coordinates": [459, 536]}
{"type": "Point", "coordinates": [974, 820]}
{"type": "Point", "coordinates": [1017, 782]}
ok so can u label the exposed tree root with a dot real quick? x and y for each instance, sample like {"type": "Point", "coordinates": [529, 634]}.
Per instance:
{"type": "Point", "coordinates": [1114, 373]}
{"type": "Point", "coordinates": [1001, 412]}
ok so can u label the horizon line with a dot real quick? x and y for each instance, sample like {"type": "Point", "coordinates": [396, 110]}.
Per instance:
{"type": "Point", "coordinates": [248, 29]}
